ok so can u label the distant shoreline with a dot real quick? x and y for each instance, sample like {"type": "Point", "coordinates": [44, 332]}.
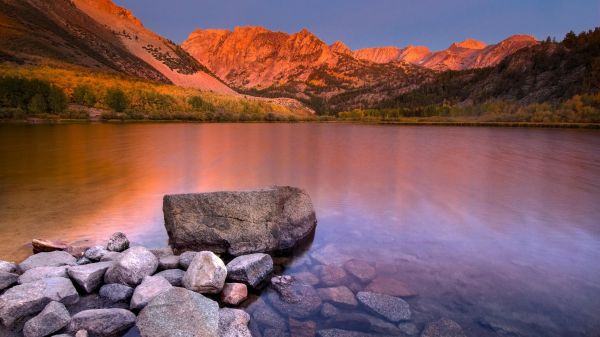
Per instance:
{"type": "Point", "coordinates": [316, 121]}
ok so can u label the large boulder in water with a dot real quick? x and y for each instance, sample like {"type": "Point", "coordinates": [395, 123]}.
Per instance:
{"type": "Point", "coordinates": [240, 222]}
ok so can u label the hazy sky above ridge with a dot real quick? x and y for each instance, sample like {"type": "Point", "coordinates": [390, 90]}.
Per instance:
{"type": "Point", "coordinates": [369, 23]}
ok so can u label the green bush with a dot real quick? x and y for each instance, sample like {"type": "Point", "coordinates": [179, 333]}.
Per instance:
{"type": "Point", "coordinates": [84, 95]}
{"type": "Point", "coordinates": [37, 105]}
{"type": "Point", "coordinates": [57, 100]}
{"type": "Point", "coordinates": [116, 100]}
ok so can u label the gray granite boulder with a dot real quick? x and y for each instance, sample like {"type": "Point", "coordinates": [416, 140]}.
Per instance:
{"type": "Point", "coordinates": [168, 262]}
{"type": "Point", "coordinates": [251, 269]}
{"type": "Point", "coordinates": [51, 259]}
{"type": "Point", "coordinates": [241, 222]}
{"type": "Point", "coordinates": [293, 298]}
{"type": "Point", "coordinates": [111, 256]}
{"type": "Point", "coordinates": [131, 267]}
{"type": "Point", "coordinates": [39, 273]}
{"type": "Point", "coordinates": [8, 267]}
{"type": "Point", "coordinates": [29, 299]}
{"type": "Point", "coordinates": [174, 276]}
{"type": "Point", "coordinates": [83, 260]}
{"type": "Point", "coordinates": [443, 328]}
{"type": "Point", "coordinates": [7, 279]}
{"type": "Point", "coordinates": [116, 292]}
{"type": "Point", "coordinates": [103, 322]}
{"type": "Point", "coordinates": [206, 274]}
{"type": "Point", "coordinates": [53, 318]}
{"type": "Point", "coordinates": [89, 277]}
{"type": "Point", "coordinates": [185, 259]}
{"type": "Point", "coordinates": [95, 253]}
{"type": "Point", "coordinates": [392, 308]}
{"type": "Point", "coordinates": [117, 242]}
{"type": "Point", "coordinates": [150, 287]}
{"type": "Point", "coordinates": [179, 312]}
{"type": "Point", "coordinates": [233, 323]}
{"type": "Point", "coordinates": [160, 252]}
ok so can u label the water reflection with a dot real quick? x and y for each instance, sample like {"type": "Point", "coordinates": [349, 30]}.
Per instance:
{"type": "Point", "coordinates": [489, 226]}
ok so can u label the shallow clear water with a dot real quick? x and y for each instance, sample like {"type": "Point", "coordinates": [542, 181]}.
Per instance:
{"type": "Point", "coordinates": [497, 229]}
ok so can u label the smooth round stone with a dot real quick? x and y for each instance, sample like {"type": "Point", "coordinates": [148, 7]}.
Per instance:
{"type": "Point", "coordinates": [206, 274]}
{"type": "Point", "coordinates": [443, 328]}
{"type": "Point", "coordinates": [392, 308]}
{"type": "Point", "coordinates": [132, 266]}
{"type": "Point", "coordinates": [234, 293]}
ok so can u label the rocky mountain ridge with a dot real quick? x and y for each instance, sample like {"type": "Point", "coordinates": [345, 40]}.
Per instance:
{"type": "Point", "coordinates": [96, 34]}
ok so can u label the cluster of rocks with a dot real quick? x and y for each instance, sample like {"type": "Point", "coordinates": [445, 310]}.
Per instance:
{"type": "Point", "coordinates": [112, 288]}
{"type": "Point", "coordinates": [340, 298]}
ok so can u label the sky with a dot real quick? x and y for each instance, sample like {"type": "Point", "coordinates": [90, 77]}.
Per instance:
{"type": "Point", "coordinates": [371, 23]}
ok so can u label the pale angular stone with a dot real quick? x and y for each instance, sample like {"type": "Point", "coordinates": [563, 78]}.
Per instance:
{"type": "Point", "coordinates": [132, 266]}
{"type": "Point", "coordinates": [206, 274]}
{"type": "Point", "coordinates": [103, 322]}
{"type": "Point", "coordinates": [39, 273]}
{"type": "Point", "coordinates": [150, 287]}
{"type": "Point", "coordinates": [89, 277]}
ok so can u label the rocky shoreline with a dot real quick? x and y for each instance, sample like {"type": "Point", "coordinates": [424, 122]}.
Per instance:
{"type": "Point", "coordinates": [118, 289]}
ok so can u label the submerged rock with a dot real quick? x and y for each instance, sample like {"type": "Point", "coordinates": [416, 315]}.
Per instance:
{"type": "Point", "coordinates": [234, 293]}
{"type": "Point", "coordinates": [151, 287]}
{"type": "Point", "coordinates": [174, 276]}
{"type": "Point", "coordinates": [89, 277]}
{"type": "Point", "coordinates": [345, 333]}
{"type": "Point", "coordinates": [206, 274]}
{"type": "Point", "coordinates": [239, 223]}
{"type": "Point", "coordinates": [233, 323]}
{"type": "Point", "coordinates": [45, 246]}
{"type": "Point", "coordinates": [117, 242]}
{"type": "Point", "coordinates": [332, 275]}
{"type": "Point", "coordinates": [340, 296]}
{"type": "Point", "coordinates": [51, 259]}
{"type": "Point", "coordinates": [251, 269]}
{"type": "Point", "coordinates": [116, 292]}
{"type": "Point", "coordinates": [363, 322]}
{"type": "Point", "coordinates": [179, 312]}
{"type": "Point", "coordinates": [103, 322]}
{"type": "Point", "coordinates": [131, 267]}
{"type": "Point", "coordinates": [392, 308]}
{"type": "Point", "coordinates": [361, 270]}
{"type": "Point", "coordinates": [293, 298]}
{"type": "Point", "coordinates": [390, 286]}
{"type": "Point", "coordinates": [30, 298]}
{"type": "Point", "coordinates": [53, 318]}
{"type": "Point", "coordinates": [443, 328]}
{"type": "Point", "coordinates": [265, 316]}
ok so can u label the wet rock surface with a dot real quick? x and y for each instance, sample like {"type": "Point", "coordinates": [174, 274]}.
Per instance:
{"type": "Point", "coordinates": [239, 223]}
{"type": "Point", "coordinates": [443, 328]}
{"type": "Point", "coordinates": [293, 298]}
{"type": "Point", "coordinates": [251, 269]}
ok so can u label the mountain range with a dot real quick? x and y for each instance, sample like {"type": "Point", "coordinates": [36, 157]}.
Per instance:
{"type": "Point", "coordinates": [252, 61]}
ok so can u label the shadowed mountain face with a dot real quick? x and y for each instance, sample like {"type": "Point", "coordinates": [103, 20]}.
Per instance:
{"type": "Point", "coordinates": [99, 35]}
{"type": "Point", "coordinates": [300, 65]}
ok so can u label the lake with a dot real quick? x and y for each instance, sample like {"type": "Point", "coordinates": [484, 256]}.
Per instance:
{"type": "Point", "coordinates": [495, 228]}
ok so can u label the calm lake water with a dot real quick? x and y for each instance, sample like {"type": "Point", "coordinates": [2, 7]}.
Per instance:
{"type": "Point", "coordinates": [495, 228]}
